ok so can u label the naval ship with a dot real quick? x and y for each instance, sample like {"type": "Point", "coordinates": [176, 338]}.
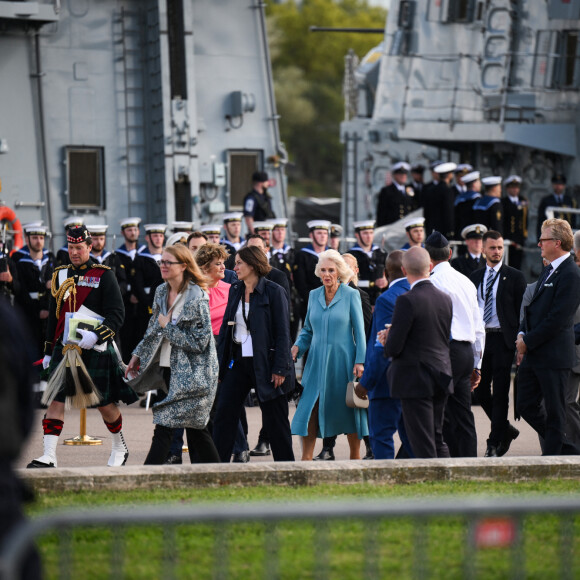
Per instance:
{"type": "Point", "coordinates": [159, 109]}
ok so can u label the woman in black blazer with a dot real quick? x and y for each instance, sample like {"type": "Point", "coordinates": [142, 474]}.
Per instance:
{"type": "Point", "coordinates": [254, 351]}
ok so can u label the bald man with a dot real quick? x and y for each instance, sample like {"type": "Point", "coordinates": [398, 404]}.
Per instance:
{"type": "Point", "coordinates": [418, 342]}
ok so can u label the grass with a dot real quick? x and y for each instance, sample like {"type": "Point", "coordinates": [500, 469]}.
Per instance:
{"type": "Point", "coordinates": [243, 550]}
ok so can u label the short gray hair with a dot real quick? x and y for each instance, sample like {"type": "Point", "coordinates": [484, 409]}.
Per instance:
{"type": "Point", "coordinates": [577, 241]}
{"type": "Point", "coordinates": [344, 272]}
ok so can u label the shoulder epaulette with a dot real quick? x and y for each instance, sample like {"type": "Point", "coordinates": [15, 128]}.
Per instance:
{"type": "Point", "coordinates": [62, 267]}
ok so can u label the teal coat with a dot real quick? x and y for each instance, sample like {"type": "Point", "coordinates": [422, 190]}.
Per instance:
{"type": "Point", "coordinates": [334, 335]}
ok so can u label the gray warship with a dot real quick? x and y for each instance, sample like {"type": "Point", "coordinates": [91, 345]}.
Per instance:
{"type": "Point", "coordinates": [160, 109]}
{"type": "Point", "coordinates": [493, 83]}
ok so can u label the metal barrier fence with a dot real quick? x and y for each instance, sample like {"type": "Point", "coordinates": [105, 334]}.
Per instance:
{"type": "Point", "coordinates": [472, 525]}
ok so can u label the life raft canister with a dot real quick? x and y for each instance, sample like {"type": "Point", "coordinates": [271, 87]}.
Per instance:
{"type": "Point", "coordinates": [8, 218]}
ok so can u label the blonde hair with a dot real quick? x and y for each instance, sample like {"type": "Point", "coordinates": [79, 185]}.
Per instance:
{"type": "Point", "coordinates": [344, 272]}
{"type": "Point", "coordinates": [354, 278]}
{"type": "Point", "coordinates": [562, 231]}
{"type": "Point", "coordinates": [192, 272]}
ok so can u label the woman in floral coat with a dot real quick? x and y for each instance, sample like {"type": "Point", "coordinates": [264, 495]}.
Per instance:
{"type": "Point", "coordinates": [180, 343]}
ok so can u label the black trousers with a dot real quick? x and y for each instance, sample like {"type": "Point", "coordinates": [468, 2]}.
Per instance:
{"type": "Point", "coordinates": [234, 389]}
{"type": "Point", "coordinates": [424, 425]}
{"type": "Point", "coordinates": [541, 402]}
{"type": "Point", "coordinates": [573, 410]}
{"type": "Point", "coordinates": [495, 368]}
{"type": "Point", "coordinates": [459, 425]}
{"type": "Point", "coordinates": [199, 441]}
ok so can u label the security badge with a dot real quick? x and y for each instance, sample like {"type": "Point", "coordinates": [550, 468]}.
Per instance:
{"type": "Point", "coordinates": [89, 281]}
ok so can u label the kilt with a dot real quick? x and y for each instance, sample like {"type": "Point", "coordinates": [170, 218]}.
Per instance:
{"type": "Point", "coordinates": [104, 372]}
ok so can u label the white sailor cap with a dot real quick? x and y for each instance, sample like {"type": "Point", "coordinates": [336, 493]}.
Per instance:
{"type": "Point", "coordinates": [511, 179]}
{"type": "Point", "coordinates": [182, 226]}
{"type": "Point", "coordinates": [364, 225]}
{"type": "Point", "coordinates": [234, 216]}
{"type": "Point", "coordinates": [491, 180]}
{"type": "Point", "coordinates": [473, 231]}
{"type": "Point", "coordinates": [335, 230]}
{"type": "Point", "coordinates": [416, 222]}
{"type": "Point", "coordinates": [263, 226]}
{"type": "Point", "coordinates": [34, 229]}
{"type": "Point", "coordinates": [278, 222]}
{"type": "Point", "coordinates": [132, 222]}
{"type": "Point", "coordinates": [211, 229]}
{"type": "Point", "coordinates": [73, 222]}
{"type": "Point", "coordinates": [464, 168]}
{"type": "Point", "coordinates": [401, 167]}
{"type": "Point", "coordinates": [97, 229]}
{"type": "Point", "coordinates": [447, 167]}
{"type": "Point", "coordinates": [176, 238]}
{"type": "Point", "coordinates": [470, 177]}
{"type": "Point", "coordinates": [318, 225]}
{"type": "Point", "coordinates": [155, 228]}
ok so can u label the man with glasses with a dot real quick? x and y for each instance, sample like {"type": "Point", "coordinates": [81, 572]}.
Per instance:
{"type": "Point", "coordinates": [546, 340]}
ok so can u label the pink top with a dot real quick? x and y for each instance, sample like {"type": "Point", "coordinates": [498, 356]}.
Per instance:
{"type": "Point", "coordinates": [218, 300]}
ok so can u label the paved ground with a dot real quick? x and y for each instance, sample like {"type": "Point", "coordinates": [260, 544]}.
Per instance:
{"type": "Point", "coordinates": [138, 429]}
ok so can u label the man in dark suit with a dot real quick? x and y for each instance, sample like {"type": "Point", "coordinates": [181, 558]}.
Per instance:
{"type": "Point", "coordinates": [418, 342]}
{"type": "Point", "coordinates": [546, 340]}
{"type": "Point", "coordinates": [499, 293]}
{"type": "Point", "coordinates": [397, 199]}
{"type": "Point", "coordinates": [557, 198]}
{"type": "Point", "coordinates": [515, 219]}
{"type": "Point", "coordinates": [438, 203]}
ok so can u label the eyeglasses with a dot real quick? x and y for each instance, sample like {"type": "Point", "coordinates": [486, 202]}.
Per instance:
{"type": "Point", "coordinates": [168, 263]}
{"type": "Point", "coordinates": [542, 240]}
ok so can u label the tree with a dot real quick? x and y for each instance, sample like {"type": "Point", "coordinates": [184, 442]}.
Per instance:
{"type": "Point", "coordinates": [308, 76]}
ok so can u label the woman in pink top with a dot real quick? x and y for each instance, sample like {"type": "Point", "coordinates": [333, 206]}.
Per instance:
{"type": "Point", "coordinates": [211, 260]}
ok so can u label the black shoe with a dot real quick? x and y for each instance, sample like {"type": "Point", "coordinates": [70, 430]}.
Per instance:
{"type": "Point", "coordinates": [173, 460]}
{"type": "Point", "coordinates": [491, 451]}
{"type": "Point", "coordinates": [369, 454]}
{"type": "Point", "coordinates": [261, 449]}
{"type": "Point", "coordinates": [511, 435]}
{"type": "Point", "coordinates": [242, 457]}
{"type": "Point", "coordinates": [327, 454]}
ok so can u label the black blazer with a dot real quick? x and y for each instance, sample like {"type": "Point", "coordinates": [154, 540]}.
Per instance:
{"type": "Point", "coordinates": [510, 290]}
{"type": "Point", "coordinates": [394, 205]}
{"type": "Point", "coordinates": [548, 321]}
{"type": "Point", "coordinates": [419, 343]}
{"type": "Point", "coordinates": [270, 336]}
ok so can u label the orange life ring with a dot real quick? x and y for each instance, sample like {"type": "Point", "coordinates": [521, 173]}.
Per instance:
{"type": "Point", "coordinates": [7, 214]}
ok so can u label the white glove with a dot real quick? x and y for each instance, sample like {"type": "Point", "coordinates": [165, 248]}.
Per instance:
{"type": "Point", "coordinates": [89, 339]}
{"type": "Point", "coordinates": [46, 361]}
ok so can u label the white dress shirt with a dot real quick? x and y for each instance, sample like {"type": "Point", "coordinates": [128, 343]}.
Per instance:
{"type": "Point", "coordinates": [494, 321]}
{"type": "Point", "coordinates": [467, 322]}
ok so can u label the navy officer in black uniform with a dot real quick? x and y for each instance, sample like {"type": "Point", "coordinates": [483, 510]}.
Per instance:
{"type": "Point", "coordinates": [91, 288]}
{"type": "Point", "coordinates": [371, 259]}
{"type": "Point", "coordinates": [515, 220]}
{"type": "Point", "coordinates": [472, 259]}
{"type": "Point", "coordinates": [557, 198]}
{"type": "Point", "coordinates": [397, 199]}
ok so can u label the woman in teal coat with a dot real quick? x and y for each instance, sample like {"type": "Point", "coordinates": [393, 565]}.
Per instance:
{"type": "Point", "coordinates": [334, 336]}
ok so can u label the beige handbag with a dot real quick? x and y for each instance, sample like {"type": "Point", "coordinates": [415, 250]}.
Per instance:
{"type": "Point", "coordinates": [352, 399]}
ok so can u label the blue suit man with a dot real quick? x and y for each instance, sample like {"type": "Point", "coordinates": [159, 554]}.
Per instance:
{"type": "Point", "coordinates": [385, 415]}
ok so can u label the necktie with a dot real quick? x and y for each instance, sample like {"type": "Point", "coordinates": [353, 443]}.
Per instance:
{"type": "Point", "coordinates": [487, 310]}
{"type": "Point", "coordinates": [543, 277]}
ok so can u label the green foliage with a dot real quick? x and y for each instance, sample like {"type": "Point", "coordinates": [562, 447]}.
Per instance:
{"type": "Point", "coordinates": [308, 76]}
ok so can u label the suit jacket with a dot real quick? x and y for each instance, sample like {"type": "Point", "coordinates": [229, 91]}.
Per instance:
{"type": "Point", "coordinates": [467, 265]}
{"type": "Point", "coordinates": [419, 343]}
{"type": "Point", "coordinates": [550, 200]}
{"type": "Point", "coordinates": [374, 379]}
{"type": "Point", "coordinates": [548, 322]}
{"type": "Point", "coordinates": [510, 290]}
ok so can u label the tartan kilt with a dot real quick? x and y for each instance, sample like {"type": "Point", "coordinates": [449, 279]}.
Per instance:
{"type": "Point", "coordinates": [104, 372]}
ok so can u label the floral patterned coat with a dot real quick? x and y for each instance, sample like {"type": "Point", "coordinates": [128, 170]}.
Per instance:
{"type": "Point", "coordinates": [194, 364]}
